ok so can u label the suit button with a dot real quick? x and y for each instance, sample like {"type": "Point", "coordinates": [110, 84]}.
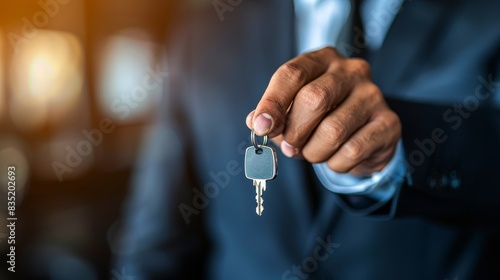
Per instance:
{"type": "Point", "coordinates": [455, 181]}
{"type": "Point", "coordinates": [432, 181]}
{"type": "Point", "coordinates": [443, 181]}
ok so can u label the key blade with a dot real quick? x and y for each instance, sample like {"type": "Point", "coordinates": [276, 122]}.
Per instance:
{"type": "Point", "coordinates": [259, 189]}
{"type": "Point", "coordinates": [258, 199]}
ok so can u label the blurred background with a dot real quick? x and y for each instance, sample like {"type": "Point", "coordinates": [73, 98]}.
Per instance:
{"type": "Point", "coordinates": [79, 82]}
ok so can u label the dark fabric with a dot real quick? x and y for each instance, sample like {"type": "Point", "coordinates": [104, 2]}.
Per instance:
{"type": "Point", "coordinates": [358, 37]}
{"type": "Point", "coordinates": [446, 224]}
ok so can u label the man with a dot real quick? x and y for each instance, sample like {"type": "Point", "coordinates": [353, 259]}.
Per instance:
{"type": "Point", "coordinates": [423, 209]}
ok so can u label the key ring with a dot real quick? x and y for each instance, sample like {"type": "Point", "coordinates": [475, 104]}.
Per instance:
{"type": "Point", "coordinates": [264, 141]}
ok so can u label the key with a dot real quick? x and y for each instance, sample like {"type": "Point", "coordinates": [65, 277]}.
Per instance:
{"type": "Point", "coordinates": [261, 165]}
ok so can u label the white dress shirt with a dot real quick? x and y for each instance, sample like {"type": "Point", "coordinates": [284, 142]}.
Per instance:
{"type": "Point", "coordinates": [319, 23]}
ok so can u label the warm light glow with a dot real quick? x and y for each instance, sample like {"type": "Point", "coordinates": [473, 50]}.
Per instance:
{"type": "Point", "coordinates": [46, 79]}
{"type": "Point", "coordinates": [41, 69]}
{"type": "Point", "coordinates": [127, 88]}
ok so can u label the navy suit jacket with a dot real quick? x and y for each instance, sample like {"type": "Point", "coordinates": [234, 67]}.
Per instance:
{"type": "Point", "coordinates": [191, 211]}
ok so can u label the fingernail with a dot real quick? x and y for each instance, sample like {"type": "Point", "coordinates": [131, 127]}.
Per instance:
{"type": "Point", "coordinates": [262, 124]}
{"type": "Point", "coordinates": [288, 150]}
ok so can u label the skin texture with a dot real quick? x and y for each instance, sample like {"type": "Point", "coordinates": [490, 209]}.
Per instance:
{"type": "Point", "coordinates": [323, 107]}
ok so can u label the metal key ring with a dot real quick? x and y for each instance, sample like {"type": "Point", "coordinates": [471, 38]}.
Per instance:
{"type": "Point", "coordinates": [264, 141]}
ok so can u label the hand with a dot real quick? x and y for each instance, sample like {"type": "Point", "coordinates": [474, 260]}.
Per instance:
{"type": "Point", "coordinates": [323, 107]}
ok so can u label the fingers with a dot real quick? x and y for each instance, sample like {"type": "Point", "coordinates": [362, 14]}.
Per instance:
{"type": "Point", "coordinates": [334, 130]}
{"type": "Point", "coordinates": [312, 103]}
{"type": "Point", "coordinates": [378, 136]}
{"type": "Point", "coordinates": [270, 114]}
{"type": "Point", "coordinates": [341, 123]}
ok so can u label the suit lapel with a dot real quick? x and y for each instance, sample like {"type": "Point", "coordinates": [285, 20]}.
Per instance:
{"type": "Point", "coordinates": [409, 42]}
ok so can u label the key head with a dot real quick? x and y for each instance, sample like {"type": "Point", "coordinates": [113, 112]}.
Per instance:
{"type": "Point", "coordinates": [261, 163]}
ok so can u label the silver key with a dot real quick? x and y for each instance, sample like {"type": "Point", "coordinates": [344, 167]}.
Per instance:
{"type": "Point", "coordinates": [261, 165]}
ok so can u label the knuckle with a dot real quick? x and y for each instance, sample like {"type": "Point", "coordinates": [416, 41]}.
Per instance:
{"type": "Point", "coordinates": [330, 50]}
{"type": "Point", "coordinates": [321, 54]}
{"type": "Point", "coordinates": [316, 98]}
{"type": "Point", "coordinates": [356, 114]}
{"type": "Point", "coordinates": [391, 122]}
{"type": "Point", "coordinates": [294, 71]}
{"type": "Point", "coordinates": [333, 132]}
{"type": "Point", "coordinates": [394, 122]}
{"type": "Point", "coordinates": [373, 92]}
{"type": "Point", "coordinates": [354, 150]}
{"type": "Point", "coordinates": [368, 138]}
{"type": "Point", "coordinates": [360, 67]}
{"type": "Point", "coordinates": [393, 119]}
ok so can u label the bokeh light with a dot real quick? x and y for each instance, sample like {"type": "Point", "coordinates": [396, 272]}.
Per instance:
{"type": "Point", "coordinates": [46, 79]}
{"type": "Point", "coordinates": [127, 88]}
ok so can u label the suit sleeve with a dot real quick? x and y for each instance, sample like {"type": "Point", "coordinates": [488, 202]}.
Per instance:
{"type": "Point", "coordinates": [454, 161]}
{"type": "Point", "coordinates": [365, 196]}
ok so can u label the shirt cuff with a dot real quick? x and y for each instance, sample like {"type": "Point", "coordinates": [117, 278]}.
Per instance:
{"type": "Point", "coordinates": [380, 186]}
